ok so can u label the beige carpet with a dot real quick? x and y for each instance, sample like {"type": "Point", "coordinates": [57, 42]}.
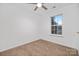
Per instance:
{"type": "Point", "coordinates": [41, 48]}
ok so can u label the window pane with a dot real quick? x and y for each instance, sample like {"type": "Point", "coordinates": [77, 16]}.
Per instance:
{"type": "Point", "coordinates": [56, 23]}
{"type": "Point", "coordinates": [58, 20]}
{"type": "Point", "coordinates": [53, 30]}
{"type": "Point", "coordinates": [52, 21]}
{"type": "Point", "coordinates": [59, 30]}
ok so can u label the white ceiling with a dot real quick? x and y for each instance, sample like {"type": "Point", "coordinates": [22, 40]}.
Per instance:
{"type": "Point", "coordinates": [41, 11]}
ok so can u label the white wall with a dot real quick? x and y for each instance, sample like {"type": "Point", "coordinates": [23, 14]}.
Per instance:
{"type": "Point", "coordinates": [18, 25]}
{"type": "Point", "coordinates": [70, 26]}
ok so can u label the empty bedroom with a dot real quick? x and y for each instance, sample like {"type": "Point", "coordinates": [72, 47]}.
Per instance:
{"type": "Point", "coordinates": [39, 29]}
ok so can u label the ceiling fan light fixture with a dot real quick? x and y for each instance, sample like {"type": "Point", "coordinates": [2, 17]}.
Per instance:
{"type": "Point", "coordinates": [39, 5]}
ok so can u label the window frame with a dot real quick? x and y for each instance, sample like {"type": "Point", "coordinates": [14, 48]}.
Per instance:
{"type": "Point", "coordinates": [52, 25]}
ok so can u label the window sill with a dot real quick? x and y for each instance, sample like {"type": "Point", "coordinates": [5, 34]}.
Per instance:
{"type": "Point", "coordinates": [55, 35]}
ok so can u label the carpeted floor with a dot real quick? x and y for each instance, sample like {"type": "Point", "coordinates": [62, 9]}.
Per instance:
{"type": "Point", "coordinates": [40, 48]}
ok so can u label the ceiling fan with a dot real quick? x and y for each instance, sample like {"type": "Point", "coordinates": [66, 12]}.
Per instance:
{"type": "Point", "coordinates": [39, 5]}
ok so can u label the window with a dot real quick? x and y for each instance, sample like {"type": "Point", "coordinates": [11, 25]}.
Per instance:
{"type": "Point", "coordinates": [56, 24]}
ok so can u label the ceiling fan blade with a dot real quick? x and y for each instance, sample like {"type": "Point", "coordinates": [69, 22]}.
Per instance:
{"type": "Point", "coordinates": [35, 8]}
{"type": "Point", "coordinates": [44, 7]}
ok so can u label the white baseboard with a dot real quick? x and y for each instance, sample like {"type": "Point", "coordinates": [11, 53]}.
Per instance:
{"type": "Point", "coordinates": [18, 44]}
